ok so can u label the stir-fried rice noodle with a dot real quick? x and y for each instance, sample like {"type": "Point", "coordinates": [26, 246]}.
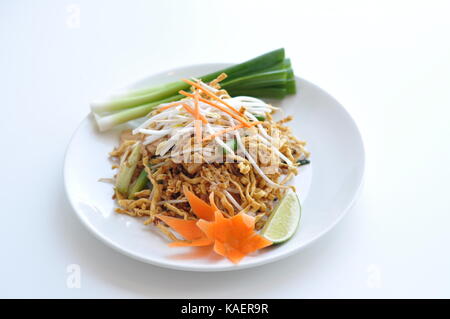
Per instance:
{"type": "Point", "coordinates": [243, 156]}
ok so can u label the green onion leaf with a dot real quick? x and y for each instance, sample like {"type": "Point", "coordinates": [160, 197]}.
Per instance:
{"type": "Point", "coordinates": [267, 76]}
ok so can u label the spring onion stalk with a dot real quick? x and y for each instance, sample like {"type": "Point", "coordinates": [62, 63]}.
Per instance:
{"type": "Point", "coordinates": [115, 104]}
{"type": "Point", "coordinates": [139, 184]}
{"type": "Point", "coordinates": [285, 64]}
{"type": "Point", "coordinates": [274, 59]}
{"type": "Point", "coordinates": [265, 92]}
{"type": "Point", "coordinates": [109, 121]}
{"type": "Point", "coordinates": [134, 98]}
{"type": "Point", "coordinates": [290, 85]}
{"type": "Point", "coordinates": [267, 76]}
{"type": "Point", "coordinates": [263, 79]}
{"type": "Point", "coordinates": [127, 168]}
{"type": "Point", "coordinates": [258, 84]}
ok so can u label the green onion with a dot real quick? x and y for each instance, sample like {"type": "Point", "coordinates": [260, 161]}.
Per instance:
{"type": "Point", "coordinates": [291, 87]}
{"type": "Point", "coordinates": [116, 104]}
{"type": "Point", "coordinates": [127, 168]}
{"type": "Point", "coordinates": [285, 64]}
{"type": "Point", "coordinates": [260, 118]}
{"type": "Point", "coordinates": [257, 80]}
{"type": "Point", "coordinates": [150, 95]}
{"type": "Point", "coordinates": [139, 184]}
{"type": "Point", "coordinates": [109, 121]}
{"type": "Point", "coordinates": [267, 76]}
{"type": "Point", "coordinates": [264, 92]}
{"type": "Point", "coordinates": [303, 162]}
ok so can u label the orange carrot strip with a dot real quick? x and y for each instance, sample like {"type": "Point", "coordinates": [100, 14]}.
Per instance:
{"type": "Point", "coordinates": [196, 107]}
{"type": "Point", "coordinates": [198, 131]}
{"type": "Point", "coordinates": [168, 106]}
{"type": "Point", "coordinates": [211, 94]}
{"type": "Point", "coordinates": [240, 119]}
{"type": "Point", "coordinates": [189, 110]}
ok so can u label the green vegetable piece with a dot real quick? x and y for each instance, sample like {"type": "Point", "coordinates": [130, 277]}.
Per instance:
{"type": "Point", "coordinates": [262, 79]}
{"type": "Point", "coordinates": [291, 87]}
{"type": "Point", "coordinates": [134, 98]}
{"type": "Point", "coordinates": [139, 184]}
{"type": "Point", "coordinates": [303, 162]}
{"type": "Point", "coordinates": [111, 120]}
{"type": "Point", "coordinates": [231, 144]}
{"type": "Point", "coordinates": [127, 168]}
{"type": "Point", "coordinates": [267, 76]}
{"type": "Point", "coordinates": [277, 92]}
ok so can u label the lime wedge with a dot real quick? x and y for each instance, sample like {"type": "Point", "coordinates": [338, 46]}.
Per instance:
{"type": "Point", "coordinates": [283, 221]}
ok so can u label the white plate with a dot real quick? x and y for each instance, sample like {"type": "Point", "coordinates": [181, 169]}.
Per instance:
{"type": "Point", "coordinates": [327, 187]}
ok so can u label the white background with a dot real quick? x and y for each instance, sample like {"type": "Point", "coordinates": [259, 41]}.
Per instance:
{"type": "Point", "coordinates": [387, 62]}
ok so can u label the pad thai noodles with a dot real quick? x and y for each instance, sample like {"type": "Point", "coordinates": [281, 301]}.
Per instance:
{"type": "Point", "coordinates": [227, 150]}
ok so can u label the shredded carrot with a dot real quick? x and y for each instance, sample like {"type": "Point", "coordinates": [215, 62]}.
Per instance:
{"type": "Point", "coordinates": [189, 110]}
{"type": "Point", "coordinates": [228, 129]}
{"type": "Point", "coordinates": [211, 94]}
{"type": "Point", "coordinates": [168, 106]}
{"type": "Point", "coordinates": [236, 117]}
{"type": "Point", "coordinates": [196, 107]}
{"type": "Point", "coordinates": [198, 131]}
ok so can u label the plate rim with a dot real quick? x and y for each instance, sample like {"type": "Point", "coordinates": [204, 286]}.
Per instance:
{"type": "Point", "coordinates": [231, 267]}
